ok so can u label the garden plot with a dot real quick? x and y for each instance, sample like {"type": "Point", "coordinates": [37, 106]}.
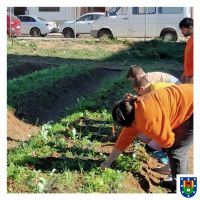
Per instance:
{"type": "Point", "coordinates": [77, 89]}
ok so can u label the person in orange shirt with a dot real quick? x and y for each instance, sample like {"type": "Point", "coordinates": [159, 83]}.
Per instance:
{"type": "Point", "coordinates": [186, 26]}
{"type": "Point", "coordinates": [164, 115]}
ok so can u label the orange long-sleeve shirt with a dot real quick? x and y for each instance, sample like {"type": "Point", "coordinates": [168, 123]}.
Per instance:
{"type": "Point", "coordinates": [188, 58]}
{"type": "Point", "coordinates": [157, 114]}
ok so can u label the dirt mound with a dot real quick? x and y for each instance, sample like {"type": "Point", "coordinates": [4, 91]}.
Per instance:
{"type": "Point", "coordinates": [52, 103]}
{"type": "Point", "coordinates": [26, 68]}
{"type": "Point", "coordinates": [18, 130]}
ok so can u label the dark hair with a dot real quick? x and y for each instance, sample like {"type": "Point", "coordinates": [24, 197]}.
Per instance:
{"type": "Point", "coordinates": [186, 23]}
{"type": "Point", "coordinates": [134, 70]}
{"type": "Point", "coordinates": [124, 112]}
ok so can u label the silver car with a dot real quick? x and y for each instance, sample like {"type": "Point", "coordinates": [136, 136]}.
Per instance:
{"type": "Point", "coordinates": [36, 26]}
{"type": "Point", "coordinates": [81, 26]}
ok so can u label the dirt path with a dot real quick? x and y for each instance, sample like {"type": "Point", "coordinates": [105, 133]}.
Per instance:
{"type": "Point", "coordinates": [18, 130]}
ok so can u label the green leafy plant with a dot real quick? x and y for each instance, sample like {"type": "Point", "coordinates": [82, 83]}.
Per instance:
{"type": "Point", "coordinates": [127, 163]}
{"type": "Point", "coordinates": [107, 181]}
{"type": "Point", "coordinates": [46, 131]}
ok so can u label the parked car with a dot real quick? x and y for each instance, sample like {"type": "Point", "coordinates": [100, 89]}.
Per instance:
{"type": "Point", "coordinates": [13, 25]}
{"type": "Point", "coordinates": [36, 26]}
{"type": "Point", "coordinates": [81, 26]}
{"type": "Point", "coordinates": [141, 22]}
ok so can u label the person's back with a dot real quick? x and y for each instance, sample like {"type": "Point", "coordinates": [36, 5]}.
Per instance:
{"type": "Point", "coordinates": [158, 113]}
{"type": "Point", "coordinates": [136, 72]}
{"type": "Point", "coordinates": [175, 102]}
{"type": "Point", "coordinates": [159, 85]}
{"type": "Point", "coordinates": [154, 77]}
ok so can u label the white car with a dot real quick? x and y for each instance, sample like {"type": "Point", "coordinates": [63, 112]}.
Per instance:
{"type": "Point", "coordinates": [36, 26]}
{"type": "Point", "coordinates": [81, 26]}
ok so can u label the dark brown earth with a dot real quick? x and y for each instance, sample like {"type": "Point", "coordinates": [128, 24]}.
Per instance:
{"type": "Point", "coordinates": [21, 125]}
{"type": "Point", "coordinates": [26, 68]}
{"type": "Point", "coordinates": [51, 103]}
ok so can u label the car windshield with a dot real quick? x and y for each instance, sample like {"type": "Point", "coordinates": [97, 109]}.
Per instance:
{"type": "Point", "coordinates": [113, 11]}
{"type": "Point", "coordinates": [41, 19]}
{"type": "Point", "coordinates": [118, 11]}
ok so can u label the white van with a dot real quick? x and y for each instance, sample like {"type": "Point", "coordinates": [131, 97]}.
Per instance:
{"type": "Point", "coordinates": [141, 22]}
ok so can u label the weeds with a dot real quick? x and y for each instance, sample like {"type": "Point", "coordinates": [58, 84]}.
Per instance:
{"type": "Point", "coordinates": [45, 131]}
{"type": "Point", "coordinates": [128, 163]}
{"type": "Point", "coordinates": [107, 181]}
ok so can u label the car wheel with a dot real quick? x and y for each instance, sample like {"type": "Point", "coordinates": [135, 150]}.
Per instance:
{"type": "Point", "coordinates": [105, 34]}
{"type": "Point", "coordinates": [35, 32]}
{"type": "Point", "coordinates": [43, 35]}
{"type": "Point", "coordinates": [68, 33]}
{"type": "Point", "coordinates": [169, 36]}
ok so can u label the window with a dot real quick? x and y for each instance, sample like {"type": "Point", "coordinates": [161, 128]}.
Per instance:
{"type": "Point", "coordinates": [95, 17]}
{"type": "Point", "coordinates": [32, 20]}
{"type": "Point", "coordinates": [143, 10]}
{"type": "Point", "coordinates": [19, 17]}
{"type": "Point", "coordinates": [118, 11]}
{"type": "Point", "coordinates": [86, 18]}
{"type": "Point", "coordinates": [42, 19]}
{"type": "Point", "coordinates": [27, 19]}
{"type": "Point", "coordinates": [170, 10]}
{"type": "Point", "coordinates": [122, 11]}
{"type": "Point", "coordinates": [49, 9]}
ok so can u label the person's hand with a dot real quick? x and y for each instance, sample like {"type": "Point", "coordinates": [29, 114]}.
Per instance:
{"type": "Point", "coordinates": [129, 96]}
{"type": "Point", "coordinates": [113, 155]}
{"type": "Point", "coordinates": [105, 164]}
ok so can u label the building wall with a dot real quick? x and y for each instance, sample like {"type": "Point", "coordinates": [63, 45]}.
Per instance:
{"type": "Point", "coordinates": [84, 10]}
{"type": "Point", "coordinates": [65, 13]}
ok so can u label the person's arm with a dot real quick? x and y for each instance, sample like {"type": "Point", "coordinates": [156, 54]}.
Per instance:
{"type": "Point", "coordinates": [124, 140]}
{"type": "Point", "coordinates": [113, 155]}
{"type": "Point", "coordinates": [188, 61]}
{"type": "Point", "coordinates": [129, 96]}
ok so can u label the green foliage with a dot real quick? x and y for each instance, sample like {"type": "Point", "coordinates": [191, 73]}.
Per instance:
{"type": "Point", "coordinates": [107, 181]}
{"type": "Point", "coordinates": [128, 163]}
{"type": "Point", "coordinates": [42, 79]}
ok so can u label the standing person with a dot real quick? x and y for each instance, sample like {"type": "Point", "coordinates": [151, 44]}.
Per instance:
{"type": "Point", "coordinates": [164, 115]}
{"type": "Point", "coordinates": [186, 26]}
{"type": "Point", "coordinates": [136, 71]}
